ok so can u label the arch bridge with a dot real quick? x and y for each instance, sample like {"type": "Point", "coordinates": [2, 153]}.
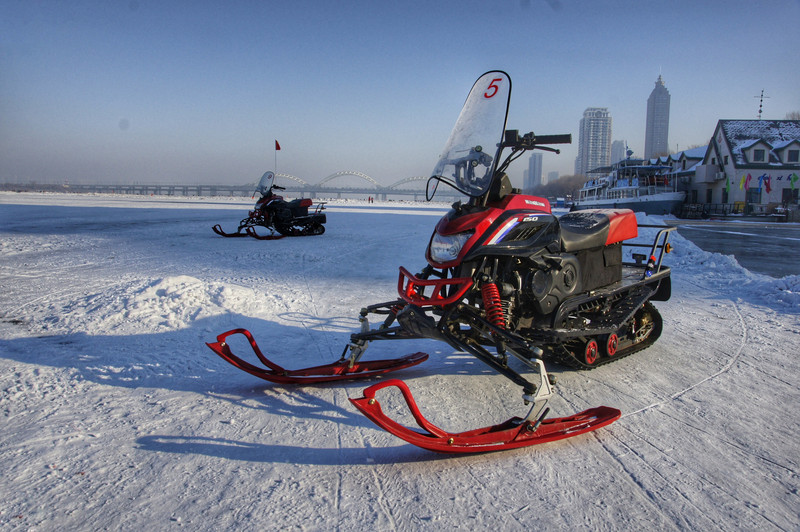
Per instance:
{"type": "Point", "coordinates": [362, 175]}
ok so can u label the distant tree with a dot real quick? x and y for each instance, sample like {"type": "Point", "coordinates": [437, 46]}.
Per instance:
{"type": "Point", "coordinates": [794, 115]}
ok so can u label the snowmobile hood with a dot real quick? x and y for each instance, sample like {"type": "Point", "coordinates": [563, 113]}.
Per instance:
{"type": "Point", "coordinates": [488, 225]}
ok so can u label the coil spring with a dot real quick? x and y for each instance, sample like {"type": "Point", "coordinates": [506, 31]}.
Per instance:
{"type": "Point", "coordinates": [493, 305]}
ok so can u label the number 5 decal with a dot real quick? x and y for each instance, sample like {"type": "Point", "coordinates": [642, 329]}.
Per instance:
{"type": "Point", "coordinates": [492, 89]}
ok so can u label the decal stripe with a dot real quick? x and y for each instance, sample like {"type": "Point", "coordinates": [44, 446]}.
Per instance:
{"type": "Point", "coordinates": [503, 231]}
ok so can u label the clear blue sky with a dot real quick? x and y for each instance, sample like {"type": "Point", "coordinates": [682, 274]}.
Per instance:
{"type": "Point", "coordinates": [197, 92]}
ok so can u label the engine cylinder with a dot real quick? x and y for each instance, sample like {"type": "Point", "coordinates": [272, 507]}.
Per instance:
{"type": "Point", "coordinates": [547, 287]}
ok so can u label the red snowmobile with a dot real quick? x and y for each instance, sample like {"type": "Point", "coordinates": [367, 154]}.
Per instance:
{"type": "Point", "coordinates": [509, 283]}
{"type": "Point", "coordinates": [287, 218]}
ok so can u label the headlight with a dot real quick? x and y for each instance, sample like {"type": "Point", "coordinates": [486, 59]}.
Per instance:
{"type": "Point", "coordinates": [445, 248]}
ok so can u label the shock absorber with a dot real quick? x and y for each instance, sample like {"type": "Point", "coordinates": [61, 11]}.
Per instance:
{"type": "Point", "coordinates": [493, 305]}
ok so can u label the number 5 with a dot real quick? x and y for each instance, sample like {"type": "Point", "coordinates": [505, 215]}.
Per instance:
{"type": "Point", "coordinates": [493, 88]}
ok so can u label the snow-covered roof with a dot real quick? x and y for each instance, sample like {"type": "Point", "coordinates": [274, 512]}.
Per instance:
{"type": "Point", "coordinates": [695, 153]}
{"type": "Point", "coordinates": [742, 134]}
{"type": "Point", "coordinates": [782, 144]}
{"type": "Point", "coordinates": [748, 143]}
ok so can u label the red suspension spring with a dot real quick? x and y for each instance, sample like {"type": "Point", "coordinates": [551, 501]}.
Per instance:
{"type": "Point", "coordinates": [492, 305]}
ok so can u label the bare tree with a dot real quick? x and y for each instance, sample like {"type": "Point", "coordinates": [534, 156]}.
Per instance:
{"type": "Point", "coordinates": [794, 115]}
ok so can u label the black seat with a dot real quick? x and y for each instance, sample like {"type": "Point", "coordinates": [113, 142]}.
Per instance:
{"type": "Point", "coordinates": [583, 230]}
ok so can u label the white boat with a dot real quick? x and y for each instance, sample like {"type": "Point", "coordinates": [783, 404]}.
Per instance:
{"type": "Point", "coordinates": [631, 184]}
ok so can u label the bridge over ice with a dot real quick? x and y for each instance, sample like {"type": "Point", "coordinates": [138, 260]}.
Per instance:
{"type": "Point", "coordinates": [410, 187]}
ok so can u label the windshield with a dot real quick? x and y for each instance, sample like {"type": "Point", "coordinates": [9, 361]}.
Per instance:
{"type": "Point", "coordinates": [468, 159]}
{"type": "Point", "coordinates": [265, 183]}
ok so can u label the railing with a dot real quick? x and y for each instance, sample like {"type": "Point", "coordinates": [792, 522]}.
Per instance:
{"type": "Point", "coordinates": [704, 210]}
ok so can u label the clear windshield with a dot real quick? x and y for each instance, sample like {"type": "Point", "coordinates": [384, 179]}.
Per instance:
{"type": "Point", "coordinates": [468, 157]}
{"type": "Point", "coordinates": [265, 183]}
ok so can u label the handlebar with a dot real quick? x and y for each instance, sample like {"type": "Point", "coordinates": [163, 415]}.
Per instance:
{"type": "Point", "coordinates": [553, 139]}
{"type": "Point", "coordinates": [278, 187]}
{"type": "Point", "coordinates": [530, 140]}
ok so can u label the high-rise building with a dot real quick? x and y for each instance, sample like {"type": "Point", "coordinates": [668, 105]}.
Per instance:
{"type": "Point", "coordinates": [618, 149]}
{"type": "Point", "coordinates": [533, 176]}
{"type": "Point", "coordinates": [656, 142]}
{"type": "Point", "coordinates": [594, 140]}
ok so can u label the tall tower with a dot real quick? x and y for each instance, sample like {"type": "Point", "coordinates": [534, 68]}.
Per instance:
{"type": "Point", "coordinates": [657, 129]}
{"type": "Point", "coordinates": [618, 148]}
{"type": "Point", "coordinates": [533, 176]}
{"type": "Point", "coordinates": [594, 140]}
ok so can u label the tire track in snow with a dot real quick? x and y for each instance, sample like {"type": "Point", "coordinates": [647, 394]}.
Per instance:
{"type": "Point", "coordinates": [649, 495]}
{"type": "Point", "coordinates": [684, 471]}
{"type": "Point", "coordinates": [336, 393]}
{"type": "Point", "coordinates": [732, 360]}
{"type": "Point", "coordinates": [647, 463]}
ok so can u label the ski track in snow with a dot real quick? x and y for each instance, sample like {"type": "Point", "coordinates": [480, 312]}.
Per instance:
{"type": "Point", "coordinates": [732, 361]}
{"type": "Point", "coordinates": [116, 416]}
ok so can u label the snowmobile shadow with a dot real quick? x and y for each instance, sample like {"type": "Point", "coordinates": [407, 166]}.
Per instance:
{"type": "Point", "coordinates": [269, 453]}
{"type": "Point", "coordinates": [179, 360]}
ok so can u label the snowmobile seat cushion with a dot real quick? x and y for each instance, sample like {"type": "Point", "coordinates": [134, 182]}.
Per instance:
{"type": "Point", "coordinates": [595, 228]}
{"type": "Point", "coordinates": [301, 202]}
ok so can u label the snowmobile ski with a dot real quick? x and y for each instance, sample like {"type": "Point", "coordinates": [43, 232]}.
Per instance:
{"type": "Point", "coordinates": [251, 231]}
{"type": "Point", "coordinates": [218, 229]}
{"type": "Point", "coordinates": [513, 433]}
{"type": "Point", "coordinates": [347, 368]}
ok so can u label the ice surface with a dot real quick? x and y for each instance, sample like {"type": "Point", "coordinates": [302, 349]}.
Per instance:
{"type": "Point", "coordinates": [115, 415]}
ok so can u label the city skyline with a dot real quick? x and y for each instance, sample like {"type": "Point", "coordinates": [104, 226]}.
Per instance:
{"type": "Point", "coordinates": [190, 92]}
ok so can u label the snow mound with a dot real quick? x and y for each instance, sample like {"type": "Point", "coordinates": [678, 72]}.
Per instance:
{"type": "Point", "coordinates": [723, 272]}
{"type": "Point", "coordinates": [160, 305]}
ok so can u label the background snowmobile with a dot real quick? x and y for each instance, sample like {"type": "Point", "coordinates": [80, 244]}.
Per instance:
{"type": "Point", "coordinates": [288, 218]}
{"type": "Point", "coordinates": [506, 281]}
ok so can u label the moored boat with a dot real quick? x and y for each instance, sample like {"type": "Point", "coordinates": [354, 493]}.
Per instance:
{"type": "Point", "coordinates": [632, 184]}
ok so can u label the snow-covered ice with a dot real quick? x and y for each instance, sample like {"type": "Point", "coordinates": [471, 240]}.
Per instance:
{"type": "Point", "coordinates": [115, 415]}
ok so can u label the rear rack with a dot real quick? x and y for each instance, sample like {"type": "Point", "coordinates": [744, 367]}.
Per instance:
{"type": "Point", "coordinates": [659, 246]}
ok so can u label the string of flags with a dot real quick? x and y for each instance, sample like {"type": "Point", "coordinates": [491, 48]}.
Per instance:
{"type": "Point", "coordinates": [764, 180]}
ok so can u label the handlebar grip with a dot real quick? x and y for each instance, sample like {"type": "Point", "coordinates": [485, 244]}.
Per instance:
{"type": "Point", "coordinates": [278, 187]}
{"type": "Point", "coordinates": [553, 139]}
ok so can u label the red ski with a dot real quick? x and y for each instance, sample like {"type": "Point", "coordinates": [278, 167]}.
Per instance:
{"type": "Point", "coordinates": [343, 369]}
{"type": "Point", "coordinates": [251, 231]}
{"type": "Point", "coordinates": [221, 232]}
{"type": "Point", "coordinates": [514, 433]}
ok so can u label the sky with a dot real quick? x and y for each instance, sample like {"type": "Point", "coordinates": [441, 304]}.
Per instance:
{"type": "Point", "coordinates": [198, 91]}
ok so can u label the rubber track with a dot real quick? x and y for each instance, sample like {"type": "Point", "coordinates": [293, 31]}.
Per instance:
{"type": "Point", "coordinates": [564, 357]}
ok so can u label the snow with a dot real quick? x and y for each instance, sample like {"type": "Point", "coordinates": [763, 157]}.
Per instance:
{"type": "Point", "coordinates": [741, 134]}
{"type": "Point", "coordinates": [115, 415]}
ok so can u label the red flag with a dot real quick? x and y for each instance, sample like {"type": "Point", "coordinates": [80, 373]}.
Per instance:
{"type": "Point", "coordinates": [277, 146]}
